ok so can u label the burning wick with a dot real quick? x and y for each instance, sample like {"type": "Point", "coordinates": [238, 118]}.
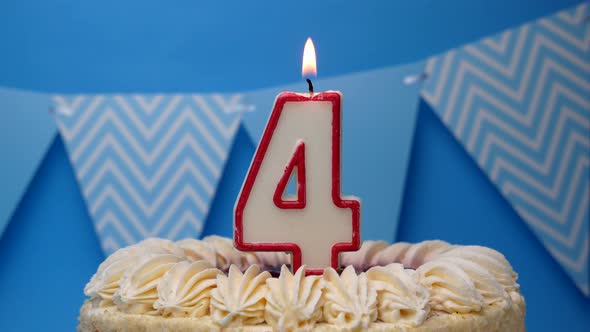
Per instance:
{"type": "Point", "coordinates": [308, 66]}
{"type": "Point", "coordinates": [310, 85]}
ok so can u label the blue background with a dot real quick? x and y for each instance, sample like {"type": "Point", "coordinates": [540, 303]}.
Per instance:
{"type": "Point", "coordinates": [49, 250]}
{"type": "Point", "coordinates": [27, 110]}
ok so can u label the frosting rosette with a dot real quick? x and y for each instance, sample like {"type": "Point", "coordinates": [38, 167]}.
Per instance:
{"type": "Point", "coordinates": [451, 289]}
{"type": "Point", "coordinates": [349, 301]}
{"type": "Point", "coordinates": [493, 262]}
{"type": "Point", "coordinates": [420, 253]}
{"type": "Point", "coordinates": [197, 250]}
{"type": "Point", "coordinates": [365, 257]}
{"type": "Point", "coordinates": [392, 254]}
{"type": "Point", "coordinates": [185, 290]}
{"type": "Point", "coordinates": [157, 245]}
{"type": "Point", "coordinates": [239, 299]}
{"type": "Point", "coordinates": [400, 298]}
{"type": "Point", "coordinates": [272, 259]}
{"type": "Point", "coordinates": [293, 302]}
{"type": "Point", "coordinates": [486, 285]}
{"type": "Point", "coordinates": [209, 285]}
{"type": "Point", "coordinates": [103, 285]}
{"type": "Point", "coordinates": [138, 286]}
{"type": "Point", "coordinates": [105, 282]}
{"type": "Point", "coordinates": [227, 255]}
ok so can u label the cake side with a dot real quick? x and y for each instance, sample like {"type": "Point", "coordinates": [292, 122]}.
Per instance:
{"type": "Point", "coordinates": [493, 318]}
{"type": "Point", "coordinates": [207, 285]}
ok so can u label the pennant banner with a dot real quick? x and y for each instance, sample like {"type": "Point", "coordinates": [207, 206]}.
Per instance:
{"type": "Point", "coordinates": [378, 119]}
{"type": "Point", "coordinates": [26, 131]}
{"type": "Point", "coordinates": [519, 102]}
{"type": "Point", "coordinates": [148, 165]}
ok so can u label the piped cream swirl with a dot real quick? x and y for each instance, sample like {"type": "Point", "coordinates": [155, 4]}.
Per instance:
{"type": "Point", "coordinates": [138, 286]}
{"type": "Point", "coordinates": [227, 255]}
{"type": "Point", "coordinates": [450, 288]}
{"type": "Point", "coordinates": [293, 302]}
{"type": "Point", "coordinates": [105, 282]}
{"type": "Point", "coordinates": [400, 298]}
{"type": "Point", "coordinates": [365, 257]}
{"type": "Point", "coordinates": [185, 290]}
{"type": "Point", "coordinates": [180, 279]}
{"type": "Point", "coordinates": [239, 299]}
{"type": "Point", "coordinates": [420, 253]}
{"type": "Point", "coordinates": [379, 253]}
{"type": "Point", "coordinates": [272, 259]}
{"type": "Point", "coordinates": [157, 245]}
{"type": "Point", "coordinates": [197, 250]}
{"type": "Point", "coordinates": [392, 254]}
{"type": "Point", "coordinates": [349, 301]}
{"type": "Point", "coordinates": [493, 262]}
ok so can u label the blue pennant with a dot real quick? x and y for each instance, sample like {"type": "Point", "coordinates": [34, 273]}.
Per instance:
{"type": "Point", "coordinates": [148, 165]}
{"type": "Point", "coordinates": [519, 102]}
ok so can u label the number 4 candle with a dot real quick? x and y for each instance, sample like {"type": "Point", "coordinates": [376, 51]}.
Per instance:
{"type": "Point", "coordinates": [301, 140]}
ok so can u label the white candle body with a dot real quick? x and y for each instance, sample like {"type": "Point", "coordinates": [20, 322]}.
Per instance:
{"type": "Point", "coordinates": [321, 224]}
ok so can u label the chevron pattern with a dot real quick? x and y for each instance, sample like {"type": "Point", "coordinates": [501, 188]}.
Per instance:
{"type": "Point", "coordinates": [519, 102]}
{"type": "Point", "coordinates": [148, 165]}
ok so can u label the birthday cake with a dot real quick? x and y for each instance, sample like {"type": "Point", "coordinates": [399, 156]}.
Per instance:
{"type": "Point", "coordinates": [204, 285]}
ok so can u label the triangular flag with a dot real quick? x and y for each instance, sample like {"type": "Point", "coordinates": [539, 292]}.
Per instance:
{"type": "Point", "coordinates": [519, 103]}
{"type": "Point", "coordinates": [148, 165]}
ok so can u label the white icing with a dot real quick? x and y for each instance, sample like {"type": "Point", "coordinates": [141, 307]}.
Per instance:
{"type": "Point", "coordinates": [392, 254]}
{"type": "Point", "coordinates": [486, 285]}
{"type": "Point", "coordinates": [349, 301]}
{"type": "Point", "coordinates": [228, 255]}
{"type": "Point", "coordinates": [197, 250]}
{"type": "Point", "coordinates": [379, 253]}
{"type": "Point", "coordinates": [272, 258]}
{"type": "Point", "coordinates": [450, 288]}
{"type": "Point", "coordinates": [400, 298]}
{"type": "Point", "coordinates": [239, 299]}
{"type": "Point", "coordinates": [157, 245]}
{"type": "Point", "coordinates": [494, 262]}
{"type": "Point", "coordinates": [420, 253]}
{"type": "Point", "coordinates": [185, 290]}
{"type": "Point", "coordinates": [179, 279]}
{"type": "Point", "coordinates": [365, 257]}
{"type": "Point", "coordinates": [138, 286]}
{"type": "Point", "coordinates": [293, 302]}
{"type": "Point", "coordinates": [105, 281]}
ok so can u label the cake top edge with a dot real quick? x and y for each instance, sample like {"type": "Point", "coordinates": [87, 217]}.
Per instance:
{"type": "Point", "coordinates": [401, 282]}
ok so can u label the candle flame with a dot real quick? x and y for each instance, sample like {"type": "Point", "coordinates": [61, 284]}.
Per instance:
{"type": "Point", "coordinates": [309, 67]}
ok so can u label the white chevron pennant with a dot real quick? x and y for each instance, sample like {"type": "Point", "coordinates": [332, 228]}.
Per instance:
{"type": "Point", "coordinates": [148, 165]}
{"type": "Point", "coordinates": [519, 102]}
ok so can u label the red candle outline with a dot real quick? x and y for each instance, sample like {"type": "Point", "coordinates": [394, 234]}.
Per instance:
{"type": "Point", "coordinates": [354, 205]}
{"type": "Point", "coordinates": [297, 160]}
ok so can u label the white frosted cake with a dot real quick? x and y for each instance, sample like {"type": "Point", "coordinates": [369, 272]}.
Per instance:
{"type": "Point", "coordinates": [204, 285]}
